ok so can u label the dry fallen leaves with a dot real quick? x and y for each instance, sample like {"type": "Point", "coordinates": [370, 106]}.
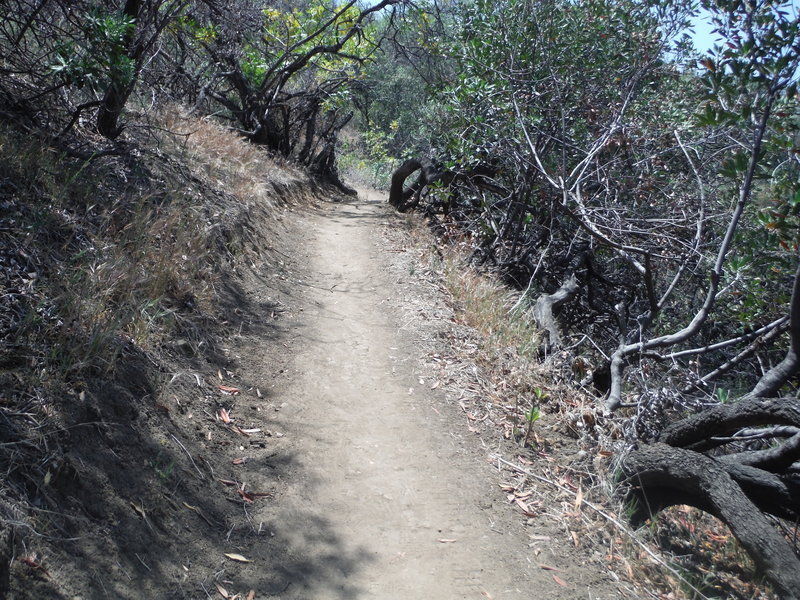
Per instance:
{"type": "Point", "coordinates": [34, 564]}
{"type": "Point", "coordinates": [237, 557]}
{"type": "Point", "coordinates": [139, 510]}
{"type": "Point", "coordinates": [575, 539]}
{"type": "Point", "coordinates": [201, 514]}
{"type": "Point", "coordinates": [240, 489]}
{"type": "Point", "coordinates": [252, 496]}
{"type": "Point", "coordinates": [525, 508]}
{"type": "Point", "coordinates": [579, 498]}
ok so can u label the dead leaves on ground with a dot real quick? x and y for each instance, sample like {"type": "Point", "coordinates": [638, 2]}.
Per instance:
{"type": "Point", "coordinates": [200, 513]}
{"type": "Point", "coordinates": [34, 564]}
{"type": "Point", "coordinates": [225, 417]}
{"type": "Point", "coordinates": [246, 496]}
{"type": "Point", "coordinates": [237, 557]}
{"type": "Point", "coordinates": [251, 595]}
{"type": "Point", "coordinates": [522, 500]}
{"type": "Point", "coordinates": [556, 578]}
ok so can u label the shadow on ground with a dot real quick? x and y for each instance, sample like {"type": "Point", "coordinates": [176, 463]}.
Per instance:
{"type": "Point", "coordinates": [147, 488]}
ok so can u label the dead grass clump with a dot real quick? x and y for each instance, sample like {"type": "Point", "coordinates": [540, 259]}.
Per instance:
{"type": "Point", "coordinates": [105, 267]}
{"type": "Point", "coordinates": [227, 160]}
{"type": "Point", "coordinates": [117, 253]}
{"type": "Point", "coordinates": [486, 306]}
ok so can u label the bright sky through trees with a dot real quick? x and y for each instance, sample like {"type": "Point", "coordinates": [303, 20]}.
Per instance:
{"type": "Point", "coordinates": [703, 37]}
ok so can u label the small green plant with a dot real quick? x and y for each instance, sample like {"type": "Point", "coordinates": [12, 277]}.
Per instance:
{"type": "Point", "coordinates": [534, 414]}
{"type": "Point", "coordinates": [163, 467]}
{"type": "Point", "coordinates": [531, 417]}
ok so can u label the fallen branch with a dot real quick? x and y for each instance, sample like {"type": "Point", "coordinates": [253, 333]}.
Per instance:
{"type": "Point", "coordinates": [177, 441]}
{"type": "Point", "coordinates": [662, 476]}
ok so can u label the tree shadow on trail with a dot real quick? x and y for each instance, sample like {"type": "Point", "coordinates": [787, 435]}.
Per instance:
{"type": "Point", "coordinates": [144, 492]}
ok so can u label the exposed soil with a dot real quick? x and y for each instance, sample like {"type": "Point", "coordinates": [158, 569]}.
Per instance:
{"type": "Point", "coordinates": [341, 474]}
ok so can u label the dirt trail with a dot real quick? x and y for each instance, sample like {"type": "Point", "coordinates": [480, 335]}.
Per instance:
{"type": "Point", "coordinates": [381, 499]}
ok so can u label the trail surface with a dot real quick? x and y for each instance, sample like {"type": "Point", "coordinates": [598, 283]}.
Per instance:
{"type": "Point", "coordinates": [379, 495]}
{"type": "Point", "coordinates": [391, 505]}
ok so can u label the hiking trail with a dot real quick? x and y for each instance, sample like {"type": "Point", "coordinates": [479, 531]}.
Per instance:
{"type": "Point", "coordinates": [380, 495]}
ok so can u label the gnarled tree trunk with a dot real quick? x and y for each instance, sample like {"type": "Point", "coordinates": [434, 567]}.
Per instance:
{"type": "Point", "coordinates": [118, 90]}
{"type": "Point", "coordinates": [546, 303]}
{"type": "Point", "coordinates": [738, 488]}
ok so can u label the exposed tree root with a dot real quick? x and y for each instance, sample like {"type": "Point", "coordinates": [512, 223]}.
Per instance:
{"type": "Point", "coordinates": [739, 488]}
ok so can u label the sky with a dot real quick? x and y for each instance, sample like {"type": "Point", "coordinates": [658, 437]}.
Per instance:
{"type": "Point", "coordinates": [703, 38]}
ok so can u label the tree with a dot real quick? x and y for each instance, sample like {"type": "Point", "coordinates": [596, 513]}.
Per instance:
{"type": "Point", "coordinates": [667, 196]}
{"type": "Point", "coordinates": [62, 59]}
{"type": "Point", "coordinates": [283, 74]}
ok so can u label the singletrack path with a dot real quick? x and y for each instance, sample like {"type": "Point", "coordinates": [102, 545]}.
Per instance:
{"type": "Point", "coordinates": [384, 498]}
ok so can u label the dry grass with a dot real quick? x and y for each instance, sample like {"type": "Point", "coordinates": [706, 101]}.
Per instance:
{"type": "Point", "coordinates": [124, 247]}
{"type": "Point", "coordinates": [226, 160]}
{"type": "Point", "coordinates": [488, 307]}
{"type": "Point", "coordinates": [105, 264]}
{"type": "Point", "coordinates": [498, 376]}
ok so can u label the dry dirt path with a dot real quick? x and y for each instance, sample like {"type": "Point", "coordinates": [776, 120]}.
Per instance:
{"type": "Point", "coordinates": [379, 496]}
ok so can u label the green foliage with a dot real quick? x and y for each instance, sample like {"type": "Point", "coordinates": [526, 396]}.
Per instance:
{"type": "Point", "coordinates": [533, 415]}
{"type": "Point", "coordinates": [599, 140]}
{"type": "Point", "coordinates": [100, 57]}
{"type": "Point", "coordinates": [164, 467]}
{"type": "Point", "coordinates": [751, 95]}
